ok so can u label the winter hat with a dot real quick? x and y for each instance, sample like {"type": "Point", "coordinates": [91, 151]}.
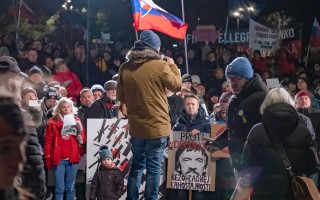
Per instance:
{"type": "Point", "coordinates": [27, 90]}
{"type": "Point", "coordinates": [195, 79]}
{"type": "Point", "coordinates": [97, 87]}
{"type": "Point", "coordinates": [302, 93]}
{"type": "Point", "coordinates": [240, 66]}
{"type": "Point", "coordinates": [51, 93]}
{"type": "Point", "coordinates": [8, 63]}
{"type": "Point", "coordinates": [58, 61]}
{"type": "Point", "coordinates": [186, 78]}
{"type": "Point", "coordinates": [35, 70]}
{"type": "Point", "coordinates": [104, 152]}
{"type": "Point", "coordinates": [213, 92]}
{"type": "Point", "coordinates": [150, 39]}
{"type": "Point", "coordinates": [4, 51]}
{"type": "Point", "coordinates": [109, 85]}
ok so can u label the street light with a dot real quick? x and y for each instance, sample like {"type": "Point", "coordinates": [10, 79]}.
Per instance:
{"type": "Point", "coordinates": [238, 14]}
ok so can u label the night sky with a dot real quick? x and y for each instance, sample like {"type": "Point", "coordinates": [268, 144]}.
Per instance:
{"type": "Point", "coordinates": [214, 12]}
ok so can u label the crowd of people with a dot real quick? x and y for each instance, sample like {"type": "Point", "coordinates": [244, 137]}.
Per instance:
{"type": "Point", "coordinates": [49, 90]}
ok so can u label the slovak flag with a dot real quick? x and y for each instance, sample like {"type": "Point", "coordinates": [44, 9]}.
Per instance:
{"type": "Point", "coordinates": [148, 15]}
{"type": "Point", "coordinates": [315, 34]}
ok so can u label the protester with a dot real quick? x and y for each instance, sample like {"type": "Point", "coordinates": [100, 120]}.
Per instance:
{"type": "Point", "coordinates": [243, 109]}
{"type": "Point", "coordinates": [303, 105]}
{"type": "Point", "coordinates": [175, 106]}
{"type": "Point", "coordinates": [86, 99]}
{"type": "Point", "coordinates": [264, 170]}
{"type": "Point", "coordinates": [31, 104]}
{"type": "Point", "coordinates": [68, 79]}
{"type": "Point", "coordinates": [62, 151]}
{"type": "Point", "coordinates": [107, 106]}
{"type": "Point", "coordinates": [108, 180]}
{"type": "Point", "coordinates": [193, 118]}
{"type": "Point", "coordinates": [141, 86]}
{"type": "Point", "coordinates": [11, 144]}
{"type": "Point", "coordinates": [97, 91]}
{"type": "Point", "coordinates": [32, 175]}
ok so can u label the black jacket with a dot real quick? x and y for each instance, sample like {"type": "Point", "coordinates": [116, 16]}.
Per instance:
{"type": "Point", "coordinates": [314, 115]}
{"type": "Point", "coordinates": [32, 175]}
{"type": "Point", "coordinates": [269, 178]}
{"type": "Point", "coordinates": [243, 113]}
{"type": "Point", "coordinates": [107, 184]}
{"type": "Point", "coordinates": [200, 122]}
{"type": "Point", "coordinates": [100, 110]}
{"type": "Point", "coordinates": [175, 108]}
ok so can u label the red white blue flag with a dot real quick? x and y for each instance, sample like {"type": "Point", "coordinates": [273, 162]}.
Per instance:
{"type": "Point", "coordinates": [148, 15]}
{"type": "Point", "coordinates": [315, 34]}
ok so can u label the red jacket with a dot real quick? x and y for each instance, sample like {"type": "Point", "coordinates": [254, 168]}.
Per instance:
{"type": "Point", "coordinates": [259, 66]}
{"type": "Point", "coordinates": [74, 87]}
{"type": "Point", "coordinates": [52, 145]}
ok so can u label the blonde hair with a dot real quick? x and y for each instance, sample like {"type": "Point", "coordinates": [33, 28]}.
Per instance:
{"type": "Point", "coordinates": [62, 100]}
{"type": "Point", "coordinates": [276, 95]}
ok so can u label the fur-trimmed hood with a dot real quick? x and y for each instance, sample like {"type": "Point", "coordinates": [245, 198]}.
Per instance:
{"type": "Point", "coordinates": [138, 56]}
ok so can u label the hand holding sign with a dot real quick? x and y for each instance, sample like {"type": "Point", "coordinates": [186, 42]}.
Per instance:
{"type": "Point", "coordinates": [210, 144]}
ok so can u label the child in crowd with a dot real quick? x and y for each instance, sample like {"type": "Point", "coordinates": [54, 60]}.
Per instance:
{"type": "Point", "coordinates": [107, 182]}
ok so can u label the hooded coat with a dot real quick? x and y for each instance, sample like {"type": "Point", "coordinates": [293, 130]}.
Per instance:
{"type": "Point", "coordinates": [141, 86]}
{"type": "Point", "coordinates": [243, 114]}
{"type": "Point", "coordinates": [269, 178]}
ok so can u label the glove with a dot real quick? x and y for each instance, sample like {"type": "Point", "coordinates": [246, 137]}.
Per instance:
{"type": "Point", "coordinates": [47, 164]}
{"type": "Point", "coordinates": [210, 144]}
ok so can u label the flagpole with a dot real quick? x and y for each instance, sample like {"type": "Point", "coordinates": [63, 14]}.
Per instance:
{"type": "Point", "coordinates": [226, 30]}
{"type": "Point", "coordinates": [18, 22]}
{"type": "Point", "coordinates": [185, 40]}
{"type": "Point", "coordinates": [307, 58]}
{"type": "Point", "coordinates": [137, 37]}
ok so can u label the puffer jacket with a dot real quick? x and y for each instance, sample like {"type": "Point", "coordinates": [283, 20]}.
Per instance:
{"type": "Point", "coordinates": [107, 184]}
{"type": "Point", "coordinates": [141, 86]}
{"type": "Point", "coordinates": [102, 108]}
{"type": "Point", "coordinates": [52, 145]}
{"type": "Point", "coordinates": [200, 122]}
{"type": "Point", "coordinates": [268, 176]}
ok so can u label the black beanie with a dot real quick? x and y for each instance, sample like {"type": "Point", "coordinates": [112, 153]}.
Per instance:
{"type": "Point", "coordinates": [186, 78]}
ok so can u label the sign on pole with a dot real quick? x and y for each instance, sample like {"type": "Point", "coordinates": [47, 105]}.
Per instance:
{"type": "Point", "coordinates": [189, 165]}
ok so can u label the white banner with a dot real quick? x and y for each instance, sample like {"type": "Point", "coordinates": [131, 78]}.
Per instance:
{"type": "Point", "coordinates": [262, 37]}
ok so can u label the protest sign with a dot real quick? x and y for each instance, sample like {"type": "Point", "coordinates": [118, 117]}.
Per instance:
{"type": "Point", "coordinates": [217, 129]}
{"type": "Point", "coordinates": [189, 164]}
{"type": "Point", "coordinates": [262, 37]}
{"type": "Point", "coordinates": [272, 83]}
{"type": "Point", "coordinates": [68, 125]}
{"type": "Point", "coordinates": [115, 135]}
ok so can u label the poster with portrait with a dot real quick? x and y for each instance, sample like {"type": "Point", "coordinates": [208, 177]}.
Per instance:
{"type": "Point", "coordinates": [189, 165]}
{"type": "Point", "coordinates": [217, 129]}
{"type": "Point", "coordinates": [115, 134]}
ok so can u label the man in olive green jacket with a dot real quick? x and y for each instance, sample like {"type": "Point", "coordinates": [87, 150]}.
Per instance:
{"type": "Point", "coordinates": [141, 86]}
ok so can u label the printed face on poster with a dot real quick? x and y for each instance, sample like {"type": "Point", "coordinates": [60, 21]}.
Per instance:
{"type": "Point", "coordinates": [115, 134]}
{"type": "Point", "coordinates": [189, 164]}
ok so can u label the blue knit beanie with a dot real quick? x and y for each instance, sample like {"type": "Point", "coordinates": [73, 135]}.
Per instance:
{"type": "Point", "coordinates": [240, 66]}
{"type": "Point", "coordinates": [150, 39]}
{"type": "Point", "coordinates": [104, 152]}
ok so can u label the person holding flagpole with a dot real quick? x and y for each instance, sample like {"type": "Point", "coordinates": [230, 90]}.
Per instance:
{"type": "Point", "coordinates": [142, 84]}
